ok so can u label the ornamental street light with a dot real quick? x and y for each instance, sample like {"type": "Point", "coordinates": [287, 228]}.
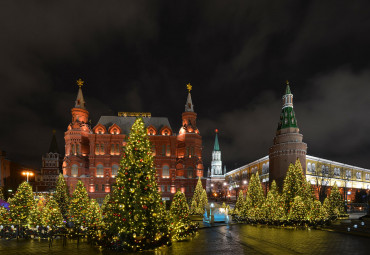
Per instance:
{"type": "Point", "coordinates": [27, 173]}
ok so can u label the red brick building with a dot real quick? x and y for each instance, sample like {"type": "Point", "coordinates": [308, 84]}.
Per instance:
{"type": "Point", "coordinates": [92, 154]}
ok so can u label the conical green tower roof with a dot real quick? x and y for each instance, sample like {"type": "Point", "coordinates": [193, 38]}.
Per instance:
{"type": "Point", "coordinates": [287, 116]}
{"type": "Point", "coordinates": [217, 146]}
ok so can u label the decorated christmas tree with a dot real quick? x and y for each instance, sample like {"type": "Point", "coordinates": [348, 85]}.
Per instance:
{"type": "Point", "coordinates": [204, 200]}
{"type": "Point", "coordinates": [21, 204]}
{"type": "Point", "coordinates": [239, 203]}
{"type": "Point", "coordinates": [94, 218]}
{"type": "Point", "coordinates": [105, 202]}
{"type": "Point", "coordinates": [273, 208]}
{"type": "Point", "coordinates": [197, 197]}
{"type": "Point", "coordinates": [35, 218]}
{"type": "Point", "coordinates": [315, 215]}
{"type": "Point", "coordinates": [4, 215]}
{"type": "Point", "coordinates": [139, 216]}
{"type": "Point", "coordinates": [78, 206]}
{"type": "Point", "coordinates": [61, 195]}
{"type": "Point", "coordinates": [255, 198]}
{"type": "Point", "coordinates": [298, 211]}
{"type": "Point", "coordinates": [51, 214]}
{"type": "Point", "coordinates": [335, 200]}
{"type": "Point", "coordinates": [296, 185]}
{"type": "Point", "coordinates": [181, 226]}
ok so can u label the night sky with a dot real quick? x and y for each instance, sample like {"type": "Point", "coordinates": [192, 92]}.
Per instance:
{"type": "Point", "coordinates": [139, 55]}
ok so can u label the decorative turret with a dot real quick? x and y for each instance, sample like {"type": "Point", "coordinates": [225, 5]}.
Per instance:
{"type": "Point", "coordinates": [287, 116]}
{"type": "Point", "coordinates": [79, 112]}
{"type": "Point", "coordinates": [288, 145]}
{"type": "Point", "coordinates": [216, 147]}
{"type": "Point", "coordinates": [216, 164]}
{"type": "Point", "coordinates": [189, 117]}
{"type": "Point", "coordinates": [80, 101]}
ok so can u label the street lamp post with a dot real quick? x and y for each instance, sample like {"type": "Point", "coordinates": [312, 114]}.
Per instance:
{"type": "Point", "coordinates": [27, 173]}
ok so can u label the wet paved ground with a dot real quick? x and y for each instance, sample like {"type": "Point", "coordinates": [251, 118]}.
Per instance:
{"type": "Point", "coordinates": [234, 239]}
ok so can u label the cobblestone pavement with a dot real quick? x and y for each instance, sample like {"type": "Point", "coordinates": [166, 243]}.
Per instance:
{"type": "Point", "coordinates": [233, 239]}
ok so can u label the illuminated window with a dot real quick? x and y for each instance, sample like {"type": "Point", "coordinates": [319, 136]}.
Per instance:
{"type": "Point", "coordinates": [153, 149]}
{"type": "Point", "coordinates": [97, 147]}
{"type": "Point", "coordinates": [74, 170]}
{"type": "Point", "coordinates": [115, 170]}
{"type": "Point", "coordinates": [117, 149]}
{"type": "Point", "coordinates": [367, 176]}
{"type": "Point", "coordinates": [358, 175]}
{"type": "Point", "coordinates": [166, 171]}
{"type": "Point", "coordinates": [102, 149]}
{"type": "Point", "coordinates": [96, 187]}
{"type": "Point", "coordinates": [348, 173]}
{"type": "Point", "coordinates": [99, 170]}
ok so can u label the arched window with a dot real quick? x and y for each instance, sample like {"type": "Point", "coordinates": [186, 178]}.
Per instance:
{"type": "Point", "coordinates": [74, 170]}
{"type": "Point", "coordinates": [102, 149]}
{"type": "Point", "coordinates": [190, 172]}
{"type": "Point", "coordinates": [166, 171]}
{"type": "Point", "coordinates": [168, 152]}
{"type": "Point", "coordinates": [309, 168]}
{"type": "Point", "coordinates": [117, 149]}
{"type": "Point", "coordinates": [115, 170]}
{"type": "Point", "coordinates": [358, 175]}
{"type": "Point", "coordinates": [99, 170]}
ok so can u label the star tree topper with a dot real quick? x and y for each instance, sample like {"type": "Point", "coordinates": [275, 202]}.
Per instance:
{"type": "Point", "coordinates": [189, 87]}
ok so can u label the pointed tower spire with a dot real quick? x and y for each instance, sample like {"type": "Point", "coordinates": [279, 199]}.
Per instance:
{"type": "Point", "coordinates": [53, 145]}
{"type": "Point", "coordinates": [80, 101]}
{"type": "Point", "coordinates": [287, 116]}
{"type": "Point", "coordinates": [217, 146]}
{"type": "Point", "coordinates": [189, 107]}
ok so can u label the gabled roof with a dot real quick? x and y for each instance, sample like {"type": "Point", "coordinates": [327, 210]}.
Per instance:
{"type": "Point", "coordinates": [125, 123]}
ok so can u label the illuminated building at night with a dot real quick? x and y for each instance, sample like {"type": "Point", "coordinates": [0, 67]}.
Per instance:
{"type": "Point", "coordinates": [288, 146]}
{"type": "Point", "coordinates": [92, 154]}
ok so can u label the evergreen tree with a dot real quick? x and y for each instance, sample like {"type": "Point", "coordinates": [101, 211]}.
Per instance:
{"type": "Point", "coordinates": [197, 197]}
{"type": "Point", "coordinates": [105, 202]}
{"type": "Point", "coordinates": [139, 215]}
{"type": "Point", "coordinates": [4, 215]}
{"type": "Point", "coordinates": [298, 211]}
{"type": "Point", "coordinates": [94, 218]}
{"type": "Point", "coordinates": [193, 207]}
{"type": "Point", "coordinates": [204, 200]}
{"type": "Point", "coordinates": [239, 203]}
{"type": "Point", "coordinates": [273, 208]}
{"type": "Point", "coordinates": [296, 185]}
{"type": "Point", "coordinates": [61, 195]}
{"type": "Point", "coordinates": [335, 200]}
{"type": "Point", "coordinates": [78, 206]}
{"type": "Point", "coordinates": [315, 213]}
{"type": "Point", "coordinates": [51, 214]}
{"type": "Point", "coordinates": [326, 209]}
{"type": "Point", "coordinates": [35, 218]}
{"type": "Point", "coordinates": [256, 198]}
{"type": "Point", "coordinates": [179, 217]}
{"type": "Point", "coordinates": [21, 204]}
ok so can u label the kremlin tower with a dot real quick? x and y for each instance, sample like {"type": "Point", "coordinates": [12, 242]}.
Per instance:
{"type": "Point", "coordinates": [288, 145]}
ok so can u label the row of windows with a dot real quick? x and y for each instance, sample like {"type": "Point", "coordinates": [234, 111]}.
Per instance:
{"type": "Point", "coordinates": [337, 171]}
{"type": "Point", "coordinates": [75, 149]}
{"type": "Point", "coordinates": [167, 188]}
{"type": "Point", "coordinates": [99, 170]}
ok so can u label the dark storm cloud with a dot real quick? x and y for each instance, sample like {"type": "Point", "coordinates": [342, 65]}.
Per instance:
{"type": "Point", "coordinates": [138, 56]}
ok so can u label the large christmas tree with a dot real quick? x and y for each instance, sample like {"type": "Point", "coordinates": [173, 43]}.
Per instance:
{"type": "Point", "coordinates": [139, 216]}
{"type": "Point", "coordinates": [273, 207]}
{"type": "Point", "coordinates": [336, 201]}
{"type": "Point", "coordinates": [181, 226]}
{"type": "Point", "coordinates": [51, 214]}
{"type": "Point", "coordinates": [21, 204]}
{"type": "Point", "coordinates": [239, 203]}
{"type": "Point", "coordinates": [197, 205]}
{"type": "Point", "coordinates": [78, 206]}
{"type": "Point", "coordinates": [94, 219]}
{"type": "Point", "coordinates": [255, 198]}
{"type": "Point", "coordinates": [35, 218]}
{"type": "Point", "coordinates": [298, 211]}
{"type": "Point", "coordinates": [61, 195]}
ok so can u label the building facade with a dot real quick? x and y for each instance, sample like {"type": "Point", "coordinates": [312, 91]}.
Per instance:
{"type": "Point", "coordinates": [50, 169]}
{"type": "Point", "coordinates": [286, 149]}
{"type": "Point", "coordinates": [92, 154]}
